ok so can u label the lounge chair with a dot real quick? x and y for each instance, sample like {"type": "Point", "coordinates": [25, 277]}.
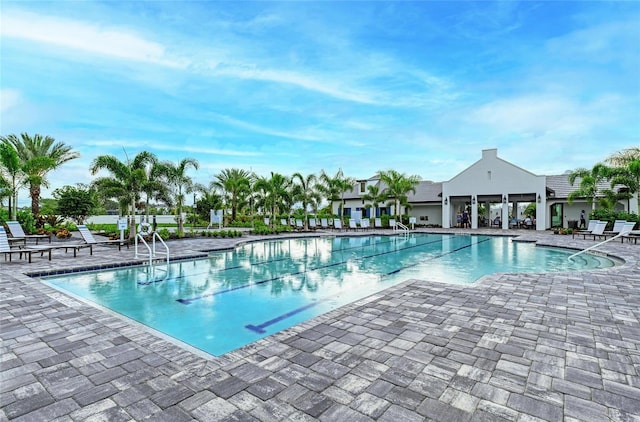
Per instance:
{"type": "Point", "coordinates": [299, 225]}
{"type": "Point", "coordinates": [17, 233]}
{"type": "Point", "coordinates": [30, 250]}
{"type": "Point", "coordinates": [337, 224]}
{"type": "Point", "coordinates": [597, 231]}
{"type": "Point", "coordinates": [365, 224]}
{"type": "Point", "coordinates": [283, 222]}
{"type": "Point", "coordinates": [590, 227]}
{"type": "Point", "coordinates": [625, 230]}
{"type": "Point", "coordinates": [266, 221]}
{"type": "Point", "coordinates": [378, 223]}
{"type": "Point", "coordinates": [392, 223]}
{"type": "Point", "coordinates": [630, 234]}
{"type": "Point", "coordinates": [8, 251]}
{"type": "Point", "coordinates": [324, 223]}
{"type": "Point", "coordinates": [353, 224]}
{"type": "Point", "coordinates": [617, 227]}
{"type": "Point", "coordinates": [90, 240]}
{"type": "Point", "coordinates": [312, 224]}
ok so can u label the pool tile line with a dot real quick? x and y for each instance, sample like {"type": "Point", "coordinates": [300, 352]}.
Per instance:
{"type": "Point", "coordinates": [260, 328]}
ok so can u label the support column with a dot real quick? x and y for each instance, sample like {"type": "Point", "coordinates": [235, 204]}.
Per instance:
{"type": "Point", "coordinates": [505, 212]}
{"type": "Point", "coordinates": [474, 212]}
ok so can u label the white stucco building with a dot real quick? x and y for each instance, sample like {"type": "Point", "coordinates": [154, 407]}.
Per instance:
{"type": "Point", "coordinates": [489, 188]}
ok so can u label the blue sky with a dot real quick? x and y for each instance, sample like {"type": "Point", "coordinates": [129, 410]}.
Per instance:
{"type": "Point", "coordinates": [420, 87]}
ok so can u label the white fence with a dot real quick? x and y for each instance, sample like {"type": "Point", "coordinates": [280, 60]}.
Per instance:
{"type": "Point", "coordinates": [113, 219]}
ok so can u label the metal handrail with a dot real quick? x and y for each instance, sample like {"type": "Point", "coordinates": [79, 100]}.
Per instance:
{"type": "Point", "coordinates": [163, 244]}
{"type": "Point", "coordinates": [152, 249]}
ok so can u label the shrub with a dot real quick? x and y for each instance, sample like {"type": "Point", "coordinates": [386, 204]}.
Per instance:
{"type": "Point", "coordinates": [611, 215]}
{"type": "Point", "coordinates": [164, 233]}
{"type": "Point", "coordinates": [28, 223]}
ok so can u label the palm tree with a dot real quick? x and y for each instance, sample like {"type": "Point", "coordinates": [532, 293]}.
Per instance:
{"type": "Point", "coordinates": [274, 193]}
{"type": "Point", "coordinates": [154, 186]}
{"type": "Point", "coordinates": [624, 158]}
{"type": "Point", "coordinates": [126, 181]}
{"type": "Point", "coordinates": [628, 176]}
{"type": "Point", "coordinates": [589, 181]}
{"type": "Point", "coordinates": [335, 187]}
{"type": "Point", "coordinates": [235, 184]}
{"type": "Point", "coordinates": [181, 184]}
{"type": "Point", "coordinates": [305, 192]}
{"type": "Point", "coordinates": [398, 186]}
{"type": "Point", "coordinates": [39, 155]}
{"type": "Point", "coordinates": [12, 176]}
{"type": "Point", "coordinates": [209, 200]}
{"type": "Point", "coordinates": [375, 197]}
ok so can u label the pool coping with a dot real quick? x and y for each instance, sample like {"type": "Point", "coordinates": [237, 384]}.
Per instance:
{"type": "Point", "coordinates": [244, 351]}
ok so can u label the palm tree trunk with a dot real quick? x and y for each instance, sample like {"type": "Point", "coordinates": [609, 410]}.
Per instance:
{"type": "Point", "coordinates": [34, 192]}
{"type": "Point", "coordinates": [132, 221]}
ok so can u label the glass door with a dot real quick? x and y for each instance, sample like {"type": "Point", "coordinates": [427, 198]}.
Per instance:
{"type": "Point", "coordinates": [556, 215]}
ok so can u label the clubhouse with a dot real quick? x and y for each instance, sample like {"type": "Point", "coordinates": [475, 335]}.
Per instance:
{"type": "Point", "coordinates": [494, 192]}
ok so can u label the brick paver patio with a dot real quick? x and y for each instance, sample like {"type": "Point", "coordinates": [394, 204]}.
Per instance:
{"type": "Point", "coordinates": [514, 347]}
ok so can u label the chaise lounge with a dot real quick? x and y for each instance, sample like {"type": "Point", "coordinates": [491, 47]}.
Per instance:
{"type": "Point", "coordinates": [18, 233]}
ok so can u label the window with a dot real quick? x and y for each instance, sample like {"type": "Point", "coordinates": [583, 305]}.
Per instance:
{"type": "Point", "coordinates": [363, 187]}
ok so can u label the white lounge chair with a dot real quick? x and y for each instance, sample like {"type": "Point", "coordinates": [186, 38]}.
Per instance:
{"type": "Point", "coordinates": [392, 223]}
{"type": "Point", "coordinates": [365, 224]}
{"type": "Point", "coordinates": [378, 223]}
{"type": "Point", "coordinates": [324, 223]}
{"type": "Point", "coordinates": [18, 233]}
{"type": "Point", "coordinates": [353, 224]}
{"type": "Point", "coordinates": [337, 224]}
{"type": "Point", "coordinates": [617, 227]}
{"type": "Point", "coordinates": [312, 224]}
{"type": "Point", "coordinates": [597, 231]}
{"type": "Point", "coordinates": [8, 251]}
{"type": "Point", "coordinates": [266, 221]}
{"type": "Point", "coordinates": [299, 225]}
{"type": "Point", "coordinates": [625, 229]}
{"type": "Point", "coordinates": [28, 251]}
{"type": "Point", "coordinates": [590, 227]}
{"type": "Point", "coordinates": [88, 238]}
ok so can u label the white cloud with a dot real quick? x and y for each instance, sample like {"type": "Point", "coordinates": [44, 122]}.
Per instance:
{"type": "Point", "coordinates": [108, 41]}
{"type": "Point", "coordinates": [535, 115]}
{"type": "Point", "coordinates": [294, 78]}
{"type": "Point", "coordinates": [155, 146]}
{"type": "Point", "coordinates": [305, 135]}
{"type": "Point", "coordinates": [9, 98]}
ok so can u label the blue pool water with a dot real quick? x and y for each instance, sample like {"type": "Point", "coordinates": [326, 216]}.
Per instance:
{"type": "Point", "coordinates": [234, 298]}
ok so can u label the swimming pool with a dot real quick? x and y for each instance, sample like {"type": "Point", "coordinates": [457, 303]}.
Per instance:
{"type": "Point", "coordinates": [233, 298]}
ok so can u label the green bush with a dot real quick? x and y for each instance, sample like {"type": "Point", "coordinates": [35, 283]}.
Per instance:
{"type": "Point", "coordinates": [28, 223]}
{"type": "Point", "coordinates": [611, 215]}
{"type": "Point", "coordinates": [164, 233]}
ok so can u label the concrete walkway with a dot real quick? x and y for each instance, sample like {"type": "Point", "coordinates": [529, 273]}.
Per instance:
{"type": "Point", "coordinates": [515, 347]}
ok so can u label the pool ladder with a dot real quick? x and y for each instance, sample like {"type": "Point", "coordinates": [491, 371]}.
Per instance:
{"type": "Point", "coordinates": [152, 249]}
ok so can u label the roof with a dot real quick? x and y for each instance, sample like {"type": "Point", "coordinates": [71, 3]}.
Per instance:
{"type": "Point", "coordinates": [426, 191]}
{"type": "Point", "coordinates": [559, 184]}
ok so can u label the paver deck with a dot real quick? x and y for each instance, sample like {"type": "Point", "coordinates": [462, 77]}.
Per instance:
{"type": "Point", "coordinates": [514, 347]}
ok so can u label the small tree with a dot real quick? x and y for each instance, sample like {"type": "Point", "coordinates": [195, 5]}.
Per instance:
{"type": "Point", "coordinates": [76, 203]}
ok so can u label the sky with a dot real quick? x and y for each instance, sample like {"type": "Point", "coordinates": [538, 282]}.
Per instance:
{"type": "Point", "coordinates": [291, 86]}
